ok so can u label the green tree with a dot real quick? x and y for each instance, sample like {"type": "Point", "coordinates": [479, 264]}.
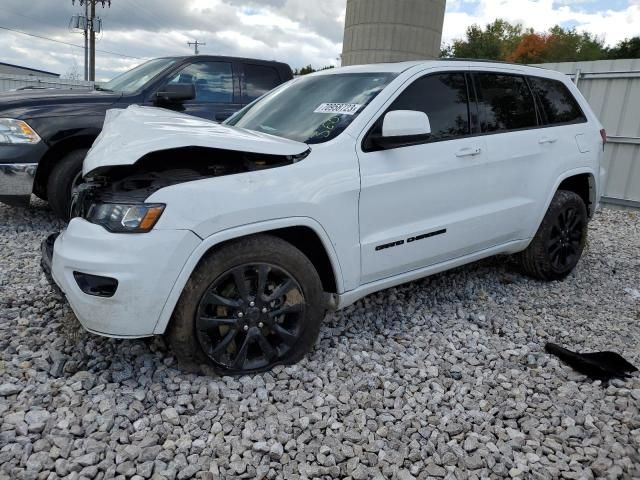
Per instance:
{"type": "Point", "coordinates": [495, 42]}
{"type": "Point", "coordinates": [567, 45]}
{"type": "Point", "coordinates": [627, 48]}
{"type": "Point", "coordinates": [309, 69]}
{"type": "Point", "coordinates": [502, 40]}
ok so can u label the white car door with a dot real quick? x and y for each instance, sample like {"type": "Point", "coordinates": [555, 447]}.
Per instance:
{"type": "Point", "coordinates": [519, 150]}
{"type": "Point", "coordinates": [441, 199]}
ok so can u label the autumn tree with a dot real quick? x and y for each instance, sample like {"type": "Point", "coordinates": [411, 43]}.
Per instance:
{"type": "Point", "coordinates": [532, 48]}
{"type": "Point", "coordinates": [502, 40]}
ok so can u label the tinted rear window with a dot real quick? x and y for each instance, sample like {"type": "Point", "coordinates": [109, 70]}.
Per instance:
{"type": "Point", "coordinates": [444, 99]}
{"type": "Point", "coordinates": [258, 80]}
{"type": "Point", "coordinates": [558, 104]}
{"type": "Point", "coordinates": [505, 102]}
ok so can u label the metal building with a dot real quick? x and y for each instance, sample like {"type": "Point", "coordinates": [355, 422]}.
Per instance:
{"type": "Point", "coordinates": [379, 31]}
{"type": "Point", "coordinates": [9, 69]}
{"type": "Point", "coordinates": [612, 88]}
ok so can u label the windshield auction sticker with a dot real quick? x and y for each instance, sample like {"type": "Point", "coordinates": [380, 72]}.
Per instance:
{"type": "Point", "coordinates": [343, 108]}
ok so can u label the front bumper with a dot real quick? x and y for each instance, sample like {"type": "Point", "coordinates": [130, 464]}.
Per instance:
{"type": "Point", "coordinates": [16, 182]}
{"type": "Point", "coordinates": [18, 165]}
{"type": "Point", "coordinates": [145, 265]}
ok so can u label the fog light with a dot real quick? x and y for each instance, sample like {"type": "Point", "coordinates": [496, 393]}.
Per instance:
{"type": "Point", "coordinates": [96, 285]}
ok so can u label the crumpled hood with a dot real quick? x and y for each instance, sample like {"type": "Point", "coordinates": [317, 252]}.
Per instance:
{"type": "Point", "coordinates": [131, 133]}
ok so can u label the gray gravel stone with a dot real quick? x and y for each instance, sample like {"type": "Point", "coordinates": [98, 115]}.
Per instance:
{"type": "Point", "coordinates": [7, 389]}
{"type": "Point", "coordinates": [441, 378]}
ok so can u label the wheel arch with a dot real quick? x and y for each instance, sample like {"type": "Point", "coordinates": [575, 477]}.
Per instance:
{"type": "Point", "coordinates": [581, 179]}
{"type": "Point", "coordinates": [572, 180]}
{"type": "Point", "coordinates": [304, 233]}
{"type": "Point", "coordinates": [584, 185]}
{"type": "Point", "coordinates": [53, 156]}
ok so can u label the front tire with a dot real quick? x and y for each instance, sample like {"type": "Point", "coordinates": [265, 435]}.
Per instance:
{"type": "Point", "coordinates": [558, 244]}
{"type": "Point", "coordinates": [250, 305]}
{"type": "Point", "coordinates": [66, 175]}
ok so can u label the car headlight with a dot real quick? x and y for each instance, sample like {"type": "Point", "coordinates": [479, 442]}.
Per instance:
{"type": "Point", "coordinates": [16, 131]}
{"type": "Point", "coordinates": [123, 218]}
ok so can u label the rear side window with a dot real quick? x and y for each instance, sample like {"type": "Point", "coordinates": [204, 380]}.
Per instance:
{"type": "Point", "coordinates": [443, 97]}
{"type": "Point", "coordinates": [505, 102]}
{"type": "Point", "coordinates": [258, 80]}
{"type": "Point", "coordinates": [558, 104]}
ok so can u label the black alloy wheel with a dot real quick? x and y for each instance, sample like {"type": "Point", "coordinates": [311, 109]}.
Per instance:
{"type": "Point", "coordinates": [559, 242]}
{"type": "Point", "coordinates": [566, 238]}
{"type": "Point", "coordinates": [250, 317]}
{"type": "Point", "coordinates": [249, 305]}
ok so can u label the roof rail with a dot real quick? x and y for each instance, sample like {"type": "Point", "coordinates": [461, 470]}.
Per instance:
{"type": "Point", "coordinates": [485, 60]}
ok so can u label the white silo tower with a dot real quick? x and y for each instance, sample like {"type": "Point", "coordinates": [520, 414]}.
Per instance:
{"type": "Point", "coordinates": [392, 30]}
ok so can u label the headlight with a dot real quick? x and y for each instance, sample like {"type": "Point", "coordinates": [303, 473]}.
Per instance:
{"type": "Point", "coordinates": [122, 218]}
{"type": "Point", "coordinates": [16, 131]}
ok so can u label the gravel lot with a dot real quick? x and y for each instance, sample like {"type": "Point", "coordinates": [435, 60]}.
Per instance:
{"type": "Point", "coordinates": [445, 377]}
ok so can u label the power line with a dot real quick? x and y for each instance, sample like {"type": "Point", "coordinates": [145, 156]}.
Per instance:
{"type": "Point", "coordinates": [67, 43]}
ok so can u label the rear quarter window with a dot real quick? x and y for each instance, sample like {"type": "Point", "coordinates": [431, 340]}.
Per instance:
{"type": "Point", "coordinates": [557, 102]}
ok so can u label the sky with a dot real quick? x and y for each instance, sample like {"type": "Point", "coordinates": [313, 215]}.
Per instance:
{"type": "Point", "coordinates": [298, 32]}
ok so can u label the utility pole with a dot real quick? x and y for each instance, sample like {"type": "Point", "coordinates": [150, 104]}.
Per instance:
{"type": "Point", "coordinates": [196, 44]}
{"type": "Point", "coordinates": [92, 43]}
{"type": "Point", "coordinates": [86, 41]}
{"type": "Point", "coordinates": [91, 26]}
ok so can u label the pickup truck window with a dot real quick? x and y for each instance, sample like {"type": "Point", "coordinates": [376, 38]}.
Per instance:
{"type": "Point", "coordinates": [259, 80]}
{"type": "Point", "coordinates": [136, 78]}
{"type": "Point", "coordinates": [213, 81]}
{"type": "Point", "coordinates": [313, 109]}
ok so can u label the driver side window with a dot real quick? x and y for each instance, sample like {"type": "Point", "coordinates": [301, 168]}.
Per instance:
{"type": "Point", "coordinates": [444, 98]}
{"type": "Point", "coordinates": [213, 81]}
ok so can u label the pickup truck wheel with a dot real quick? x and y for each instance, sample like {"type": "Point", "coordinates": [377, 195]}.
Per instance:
{"type": "Point", "coordinates": [247, 307]}
{"type": "Point", "coordinates": [558, 244]}
{"type": "Point", "coordinates": [66, 175]}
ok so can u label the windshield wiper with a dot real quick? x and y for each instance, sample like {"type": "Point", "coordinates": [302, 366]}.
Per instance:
{"type": "Point", "coordinates": [101, 89]}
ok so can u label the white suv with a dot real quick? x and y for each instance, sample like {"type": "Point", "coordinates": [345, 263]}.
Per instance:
{"type": "Point", "coordinates": [235, 239]}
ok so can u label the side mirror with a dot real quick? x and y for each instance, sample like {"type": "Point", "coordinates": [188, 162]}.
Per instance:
{"type": "Point", "coordinates": [403, 127]}
{"type": "Point", "coordinates": [176, 92]}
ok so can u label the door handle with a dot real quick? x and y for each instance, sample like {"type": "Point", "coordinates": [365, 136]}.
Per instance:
{"type": "Point", "coordinates": [547, 140]}
{"type": "Point", "coordinates": [468, 152]}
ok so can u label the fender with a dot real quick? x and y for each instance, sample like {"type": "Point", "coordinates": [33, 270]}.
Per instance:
{"type": "Point", "coordinates": [566, 174]}
{"type": "Point", "coordinates": [238, 232]}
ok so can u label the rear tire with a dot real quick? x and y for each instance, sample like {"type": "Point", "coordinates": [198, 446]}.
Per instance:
{"type": "Point", "coordinates": [227, 320]}
{"type": "Point", "coordinates": [62, 179]}
{"type": "Point", "coordinates": [558, 244]}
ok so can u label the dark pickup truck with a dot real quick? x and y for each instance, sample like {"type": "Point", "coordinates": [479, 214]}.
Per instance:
{"type": "Point", "coordinates": [45, 134]}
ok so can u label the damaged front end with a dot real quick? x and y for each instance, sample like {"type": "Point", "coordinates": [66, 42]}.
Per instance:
{"type": "Point", "coordinates": [144, 149]}
{"type": "Point", "coordinates": [115, 196]}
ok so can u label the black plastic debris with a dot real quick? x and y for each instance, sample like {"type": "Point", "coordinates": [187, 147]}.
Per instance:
{"type": "Point", "coordinates": [596, 365]}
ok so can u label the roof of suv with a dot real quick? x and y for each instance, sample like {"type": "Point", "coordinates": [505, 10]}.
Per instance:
{"type": "Point", "coordinates": [399, 67]}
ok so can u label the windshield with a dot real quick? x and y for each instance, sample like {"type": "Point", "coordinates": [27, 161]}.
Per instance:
{"type": "Point", "coordinates": [135, 78]}
{"type": "Point", "coordinates": [312, 109]}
